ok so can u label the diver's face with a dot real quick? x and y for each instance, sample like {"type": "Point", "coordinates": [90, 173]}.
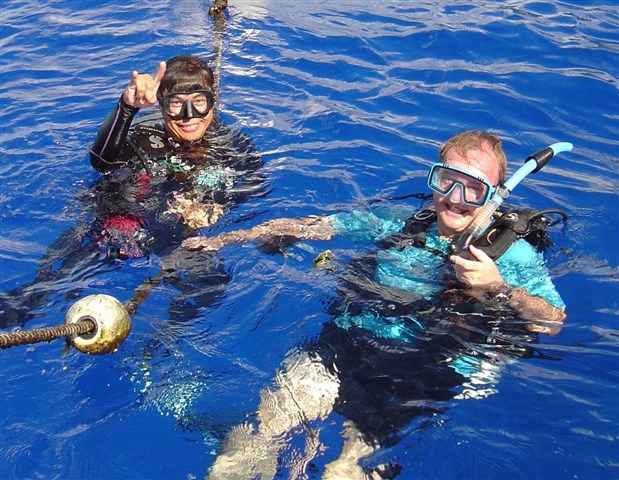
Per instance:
{"type": "Point", "coordinates": [453, 215]}
{"type": "Point", "coordinates": [190, 129]}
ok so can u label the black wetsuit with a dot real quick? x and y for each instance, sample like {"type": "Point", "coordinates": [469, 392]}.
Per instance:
{"type": "Point", "coordinates": [143, 169]}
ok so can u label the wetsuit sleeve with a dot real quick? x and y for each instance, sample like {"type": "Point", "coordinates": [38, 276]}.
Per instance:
{"type": "Point", "coordinates": [366, 225]}
{"type": "Point", "coordinates": [523, 266]}
{"type": "Point", "coordinates": [110, 150]}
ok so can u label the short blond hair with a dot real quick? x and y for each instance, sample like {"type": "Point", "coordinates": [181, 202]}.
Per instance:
{"type": "Point", "coordinates": [479, 140]}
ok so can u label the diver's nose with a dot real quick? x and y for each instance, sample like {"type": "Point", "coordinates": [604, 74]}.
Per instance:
{"type": "Point", "coordinates": [456, 195]}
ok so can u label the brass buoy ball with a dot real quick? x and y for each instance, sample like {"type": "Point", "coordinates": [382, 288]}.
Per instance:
{"type": "Point", "coordinates": [110, 316]}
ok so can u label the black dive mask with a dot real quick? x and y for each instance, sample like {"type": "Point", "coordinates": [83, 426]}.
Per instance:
{"type": "Point", "coordinates": [185, 105]}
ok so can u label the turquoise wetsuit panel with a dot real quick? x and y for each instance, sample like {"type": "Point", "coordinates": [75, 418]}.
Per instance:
{"type": "Point", "coordinates": [369, 226]}
{"type": "Point", "coordinates": [422, 270]}
{"type": "Point", "coordinates": [414, 269]}
{"type": "Point", "coordinates": [523, 266]}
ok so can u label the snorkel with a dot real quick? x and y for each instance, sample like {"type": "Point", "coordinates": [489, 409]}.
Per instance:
{"type": "Point", "coordinates": [482, 221]}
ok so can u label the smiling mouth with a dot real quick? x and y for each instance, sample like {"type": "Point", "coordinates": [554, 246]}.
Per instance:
{"type": "Point", "coordinates": [455, 209]}
{"type": "Point", "coordinates": [188, 127]}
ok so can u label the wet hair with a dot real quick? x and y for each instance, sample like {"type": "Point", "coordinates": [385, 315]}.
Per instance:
{"type": "Point", "coordinates": [185, 72]}
{"type": "Point", "coordinates": [477, 140]}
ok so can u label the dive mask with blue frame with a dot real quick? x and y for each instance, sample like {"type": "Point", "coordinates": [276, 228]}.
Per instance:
{"type": "Point", "coordinates": [475, 189]}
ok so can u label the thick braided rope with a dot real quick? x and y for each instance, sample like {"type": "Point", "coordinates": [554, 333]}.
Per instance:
{"type": "Point", "coordinates": [23, 337]}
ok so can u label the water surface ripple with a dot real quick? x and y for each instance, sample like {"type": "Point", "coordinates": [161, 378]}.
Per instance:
{"type": "Point", "coordinates": [347, 102]}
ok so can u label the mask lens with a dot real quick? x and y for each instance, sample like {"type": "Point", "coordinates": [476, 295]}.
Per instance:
{"type": "Point", "coordinates": [174, 104]}
{"type": "Point", "coordinates": [200, 102]}
{"type": "Point", "coordinates": [444, 179]}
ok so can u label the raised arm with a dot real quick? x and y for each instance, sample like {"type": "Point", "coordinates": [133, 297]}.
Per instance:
{"type": "Point", "coordinates": [307, 228]}
{"type": "Point", "coordinates": [107, 152]}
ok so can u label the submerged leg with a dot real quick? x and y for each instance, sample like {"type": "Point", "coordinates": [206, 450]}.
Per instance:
{"type": "Point", "coordinates": [304, 390]}
{"type": "Point", "coordinates": [300, 462]}
{"type": "Point", "coordinates": [355, 449]}
{"type": "Point", "coordinates": [200, 279]}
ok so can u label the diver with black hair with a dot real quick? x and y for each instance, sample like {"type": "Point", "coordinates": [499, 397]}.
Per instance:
{"type": "Point", "coordinates": [197, 165]}
{"type": "Point", "coordinates": [160, 183]}
{"type": "Point", "coordinates": [415, 327]}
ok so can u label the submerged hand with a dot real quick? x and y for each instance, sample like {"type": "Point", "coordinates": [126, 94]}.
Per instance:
{"type": "Point", "coordinates": [142, 88]}
{"type": "Point", "coordinates": [195, 214]}
{"type": "Point", "coordinates": [478, 271]}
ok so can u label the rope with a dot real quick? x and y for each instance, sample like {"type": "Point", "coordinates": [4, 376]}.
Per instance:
{"type": "Point", "coordinates": [140, 293]}
{"type": "Point", "coordinates": [217, 13]}
{"type": "Point", "coordinates": [82, 327]}
{"type": "Point", "coordinates": [217, 7]}
{"type": "Point", "coordinates": [23, 337]}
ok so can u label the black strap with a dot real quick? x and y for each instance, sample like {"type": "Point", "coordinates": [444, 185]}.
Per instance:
{"type": "Point", "coordinates": [413, 233]}
{"type": "Point", "coordinates": [514, 224]}
{"type": "Point", "coordinates": [508, 226]}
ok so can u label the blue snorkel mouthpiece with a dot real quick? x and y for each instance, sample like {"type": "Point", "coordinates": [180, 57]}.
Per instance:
{"type": "Point", "coordinates": [533, 163]}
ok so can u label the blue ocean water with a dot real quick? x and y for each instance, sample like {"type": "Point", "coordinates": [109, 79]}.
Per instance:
{"type": "Point", "coordinates": [347, 103]}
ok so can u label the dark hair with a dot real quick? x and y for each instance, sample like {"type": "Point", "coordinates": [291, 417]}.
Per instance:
{"type": "Point", "coordinates": [185, 71]}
